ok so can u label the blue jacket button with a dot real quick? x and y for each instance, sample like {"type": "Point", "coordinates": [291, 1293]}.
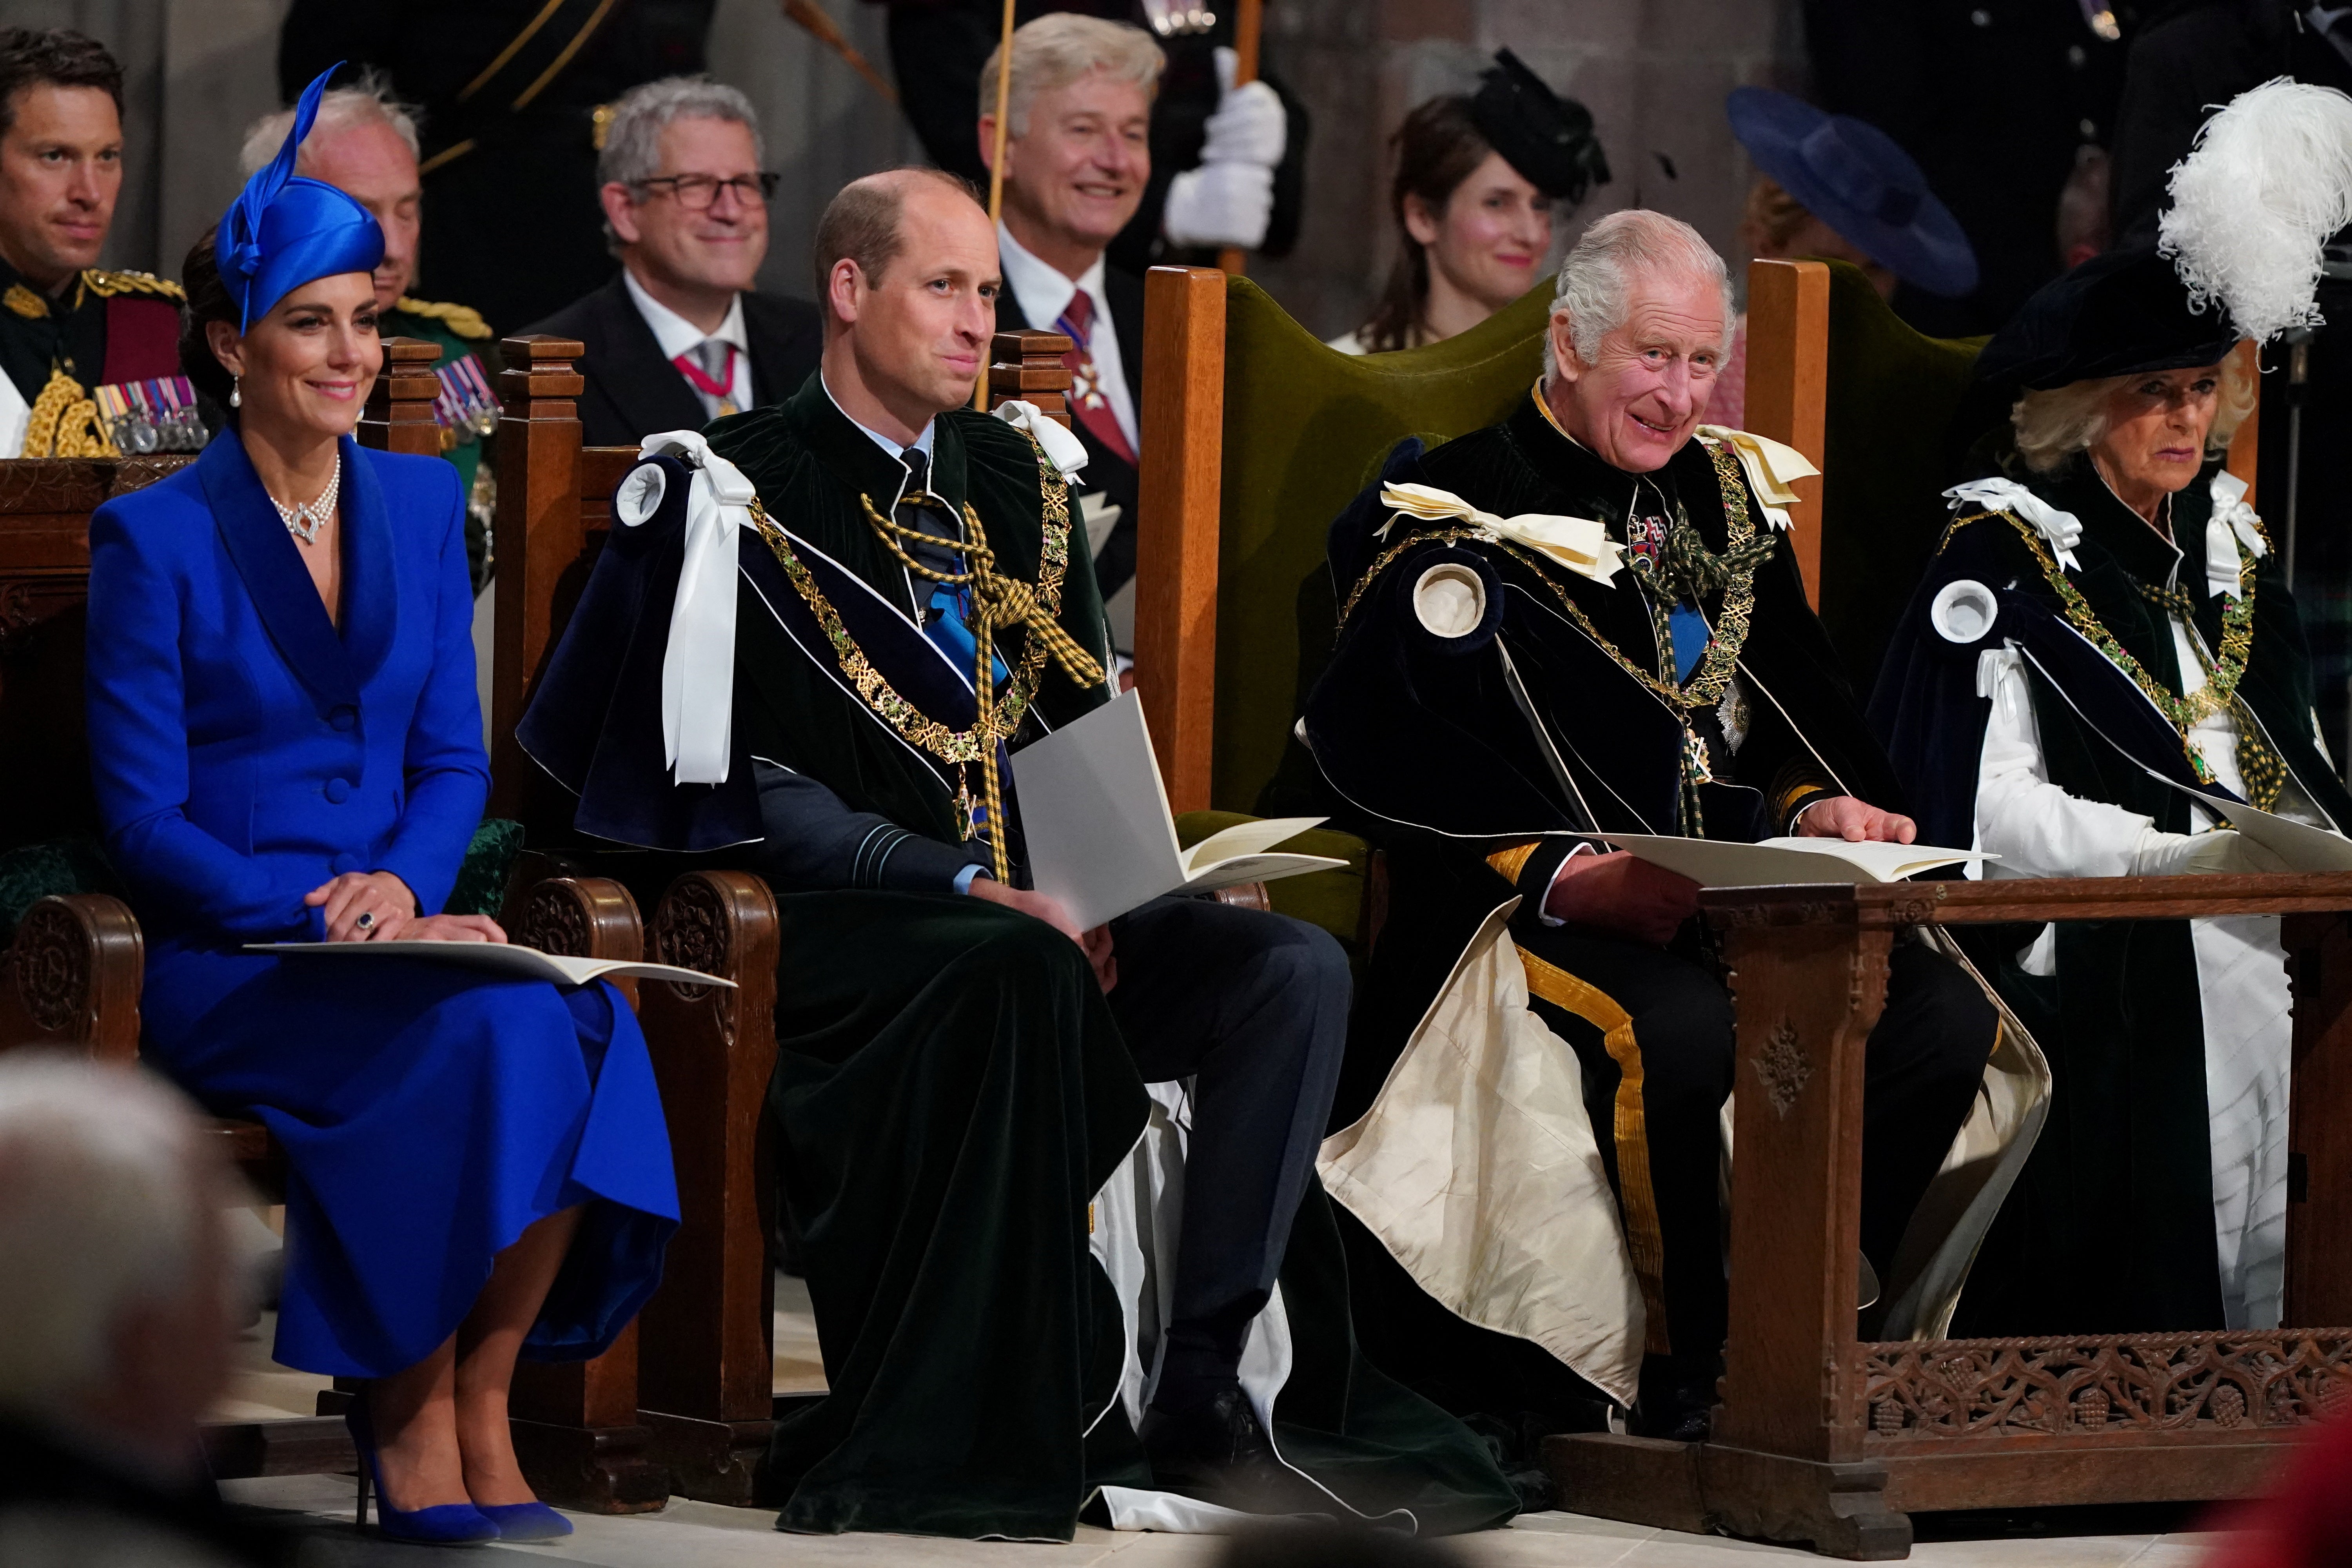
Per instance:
{"type": "Point", "coordinates": [343, 718]}
{"type": "Point", "coordinates": [339, 790]}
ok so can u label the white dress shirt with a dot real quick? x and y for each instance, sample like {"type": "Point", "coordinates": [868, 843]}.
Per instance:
{"type": "Point", "coordinates": [1043, 294]}
{"type": "Point", "coordinates": [676, 336]}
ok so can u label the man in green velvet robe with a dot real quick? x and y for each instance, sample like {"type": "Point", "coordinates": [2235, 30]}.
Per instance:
{"type": "Point", "coordinates": [961, 1070]}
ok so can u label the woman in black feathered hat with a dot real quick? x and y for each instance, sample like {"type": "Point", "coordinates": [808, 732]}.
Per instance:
{"type": "Point", "coordinates": [1478, 178]}
{"type": "Point", "coordinates": [2104, 662]}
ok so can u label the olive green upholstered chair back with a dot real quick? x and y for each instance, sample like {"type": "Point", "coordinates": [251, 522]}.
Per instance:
{"type": "Point", "coordinates": [1255, 435]}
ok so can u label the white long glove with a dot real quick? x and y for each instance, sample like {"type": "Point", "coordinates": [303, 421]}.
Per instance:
{"type": "Point", "coordinates": [2223, 851]}
{"type": "Point", "coordinates": [1229, 199]}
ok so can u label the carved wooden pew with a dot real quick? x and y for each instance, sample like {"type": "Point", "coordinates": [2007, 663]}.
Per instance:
{"type": "Point", "coordinates": [1825, 1439]}
{"type": "Point", "coordinates": [705, 1372]}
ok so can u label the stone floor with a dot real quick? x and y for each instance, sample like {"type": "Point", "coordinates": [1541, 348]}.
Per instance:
{"type": "Point", "coordinates": [702, 1535]}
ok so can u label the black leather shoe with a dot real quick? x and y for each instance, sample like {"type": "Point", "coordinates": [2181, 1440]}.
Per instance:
{"type": "Point", "coordinates": [1218, 1452]}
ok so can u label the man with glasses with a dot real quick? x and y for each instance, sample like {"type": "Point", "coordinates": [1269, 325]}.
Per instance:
{"type": "Point", "coordinates": [679, 338]}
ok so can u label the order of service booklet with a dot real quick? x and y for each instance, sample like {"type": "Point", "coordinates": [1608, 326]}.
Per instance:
{"type": "Point", "coordinates": [506, 960]}
{"type": "Point", "coordinates": [1101, 838]}
{"type": "Point", "coordinates": [1776, 862]}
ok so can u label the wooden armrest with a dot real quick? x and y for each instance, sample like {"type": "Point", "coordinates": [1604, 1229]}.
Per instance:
{"type": "Point", "coordinates": [1957, 902]}
{"type": "Point", "coordinates": [578, 917]}
{"type": "Point", "coordinates": [74, 973]}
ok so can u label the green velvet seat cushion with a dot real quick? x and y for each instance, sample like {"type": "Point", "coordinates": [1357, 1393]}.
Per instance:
{"type": "Point", "coordinates": [1333, 900]}
{"type": "Point", "coordinates": [34, 871]}
{"type": "Point", "coordinates": [1305, 427]}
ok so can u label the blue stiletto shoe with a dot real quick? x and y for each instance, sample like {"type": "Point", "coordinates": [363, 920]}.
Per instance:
{"type": "Point", "coordinates": [525, 1520]}
{"type": "Point", "coordinates": [449, 1524]}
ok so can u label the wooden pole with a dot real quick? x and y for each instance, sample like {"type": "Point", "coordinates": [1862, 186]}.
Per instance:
{"type": "Point", "coordinates": [1249, 21]}
{"type": "Point", "coordinates": [996, 162]}
{"type": "Point", "coordinates": [820, 26]}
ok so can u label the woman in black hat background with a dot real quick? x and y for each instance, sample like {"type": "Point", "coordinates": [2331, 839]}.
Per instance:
{"type": "Point", "coordinates": [1477, 178]}
{"type": "Point", "coordinates": [2103, 652]}
{"type": "Point", "coordinates": [1833, 188]}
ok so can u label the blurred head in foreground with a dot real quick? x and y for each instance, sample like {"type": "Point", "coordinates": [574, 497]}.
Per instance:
{"type": "Point", "coordinates": [116, 1303]}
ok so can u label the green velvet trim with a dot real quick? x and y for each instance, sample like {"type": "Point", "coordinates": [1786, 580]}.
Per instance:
{"type": "Point", "coordinates": [36, 871]}
{"type": "Point", "coordinates": [1332, 899]}
{"type": "Point", "coordinates": [481, 888]}
{"type": "Point", "coordinates": [1892, 395]}
{"type": "Point", "coordinates": [1306, 428]}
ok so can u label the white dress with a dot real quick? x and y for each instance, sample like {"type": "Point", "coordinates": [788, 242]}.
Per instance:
{"type": "Point", "coordinates": [2040, 830]}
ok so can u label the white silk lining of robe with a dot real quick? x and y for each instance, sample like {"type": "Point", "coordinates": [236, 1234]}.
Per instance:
{"type": "Point", "coordinates": [1136, 1219]}
{"type": "Point", "coordinates": [2040, 830]}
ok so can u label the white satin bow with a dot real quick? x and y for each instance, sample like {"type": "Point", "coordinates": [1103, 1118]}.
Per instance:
{"type": "Point", "coordinates": [1069, 453]}
{"type": "Point", "coordinates": [1579, 543]}
{"type": "Point", "coordinates": [2064, 530]}
{"type": "Point", "coordinates": [698, 662]}
{"type": "Point", "coordinates": [2233, 522]}
{"type": "Point", "coordinates": [1771, 466]}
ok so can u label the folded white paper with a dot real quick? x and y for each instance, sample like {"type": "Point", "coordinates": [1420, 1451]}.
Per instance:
{"type": "Point", "coordinates": [505, 960]}
{"type": "Point", "coordinates": [1776, 862]}
{"type": "Point", "coordinates": [1100, 836]}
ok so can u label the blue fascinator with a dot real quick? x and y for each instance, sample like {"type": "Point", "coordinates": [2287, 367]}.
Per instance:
{"type": "Point", "coordinates": [285, 230]}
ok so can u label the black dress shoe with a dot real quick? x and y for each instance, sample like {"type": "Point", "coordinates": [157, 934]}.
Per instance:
{"type": "Point", "coordinates": [1218, 1452]}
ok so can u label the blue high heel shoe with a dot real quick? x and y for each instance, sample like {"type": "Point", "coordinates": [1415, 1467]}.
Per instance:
{"type": "Point", "coordinates": [525, 1520]}
{"type": "Point", "coordinates": [449, 1524]}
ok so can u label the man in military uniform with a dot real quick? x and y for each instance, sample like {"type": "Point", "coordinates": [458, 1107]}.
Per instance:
{"type": "Point", "coordinates": [364, 143]}
{"type": "Point", "coordinates": [82, 348]}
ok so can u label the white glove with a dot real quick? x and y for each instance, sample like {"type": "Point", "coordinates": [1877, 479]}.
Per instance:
{"type": "Point", "coordinates": [2225, 851]}
{"type": "Point", "coordinates": [1250, 125]}
{"type": "Point", "coordinates": [1220, 205]}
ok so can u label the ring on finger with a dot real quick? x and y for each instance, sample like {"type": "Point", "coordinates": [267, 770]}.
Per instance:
{"type": "Point", "coordinates": [366, 920]}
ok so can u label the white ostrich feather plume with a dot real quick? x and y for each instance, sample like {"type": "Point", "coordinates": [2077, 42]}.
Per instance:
{"type": "Point", "coordinates": [2267, 182]}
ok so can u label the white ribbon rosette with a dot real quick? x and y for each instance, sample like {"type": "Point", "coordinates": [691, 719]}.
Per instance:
{"type": "Point", "coordinates": [698, 661]}
{"type": "Point", "coordinates": [1069, 453]}
{"type": "Point", "coordinates": [2233, 522]}
{"type": "Point", "coordinates": [2064, 530]}
{"type": "Point", "coordinates": [1772, 469]}
{"type": "Point", "coordinates": [1579, 543]}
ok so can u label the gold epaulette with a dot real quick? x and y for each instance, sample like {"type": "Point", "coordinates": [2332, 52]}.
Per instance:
{"type": "Point", "coordinates": [462, 320]}
{"type": "Point", "coordinates": [105, 284]}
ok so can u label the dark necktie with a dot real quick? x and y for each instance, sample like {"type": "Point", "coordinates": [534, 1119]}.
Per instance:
{"type": "Point", "coordinates": [1086, 399]}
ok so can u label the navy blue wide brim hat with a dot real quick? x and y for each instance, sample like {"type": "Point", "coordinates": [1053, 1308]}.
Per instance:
{"type": "Point", "coordinates": [2123, 312]}
{"type": "Point", "coordinates": [1854, 177]}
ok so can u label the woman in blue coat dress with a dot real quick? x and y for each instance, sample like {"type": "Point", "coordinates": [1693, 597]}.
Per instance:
{"type": "Point", "coordinates": [286, 746]}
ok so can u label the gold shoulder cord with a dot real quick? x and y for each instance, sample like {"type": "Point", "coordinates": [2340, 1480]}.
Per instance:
{"type": "Point", "coordinates": [999, 603]}
{"type": "Point", "coordinates": [2262, 769]}
{"type": "Point", "coordinates": [1741, 558]}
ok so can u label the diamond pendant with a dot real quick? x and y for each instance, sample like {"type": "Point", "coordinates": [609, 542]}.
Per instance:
{"type": "Point", "coordinates": [304, 526]}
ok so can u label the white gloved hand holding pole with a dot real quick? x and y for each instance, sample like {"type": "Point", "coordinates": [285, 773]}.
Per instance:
{"type": "Point", "coordinates": [1229, 199]}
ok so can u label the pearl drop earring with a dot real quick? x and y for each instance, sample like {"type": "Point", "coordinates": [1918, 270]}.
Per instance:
{"type": "Point", "coordinates": [236, 391]}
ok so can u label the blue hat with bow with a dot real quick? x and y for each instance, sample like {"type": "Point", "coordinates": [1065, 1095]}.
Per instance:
{"type": "Point", "coordinates": [285, 229]}
{"type": "Point", "coordinates": [1854, 177]}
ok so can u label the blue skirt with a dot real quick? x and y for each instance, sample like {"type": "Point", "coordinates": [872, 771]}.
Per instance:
{"type": "Point", "coordinates": [428, 1116]}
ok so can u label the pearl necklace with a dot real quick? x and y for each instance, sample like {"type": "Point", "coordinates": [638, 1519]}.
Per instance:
{"type": "Point", "coordinates": [304, 521]}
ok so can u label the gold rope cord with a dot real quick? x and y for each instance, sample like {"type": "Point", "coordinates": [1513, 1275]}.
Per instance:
{"type": "Point", "coordinates": [65, 423]}
{"type": "Point", "coordinates": [1007, 602]}
{"type": "Point", "coordinates": [2261, 770]}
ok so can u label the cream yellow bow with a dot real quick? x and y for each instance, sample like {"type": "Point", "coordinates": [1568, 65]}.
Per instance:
{"type": "Point", "coordinates": [1579, 543]}
{"type": "Point", "coordinates": [1771, 469]}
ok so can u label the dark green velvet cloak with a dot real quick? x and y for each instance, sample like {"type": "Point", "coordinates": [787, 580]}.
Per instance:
{"type": "Point", "coordinates": [2110, 1227]}
{"type": "Point", "coordinates": [951, 1091]}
